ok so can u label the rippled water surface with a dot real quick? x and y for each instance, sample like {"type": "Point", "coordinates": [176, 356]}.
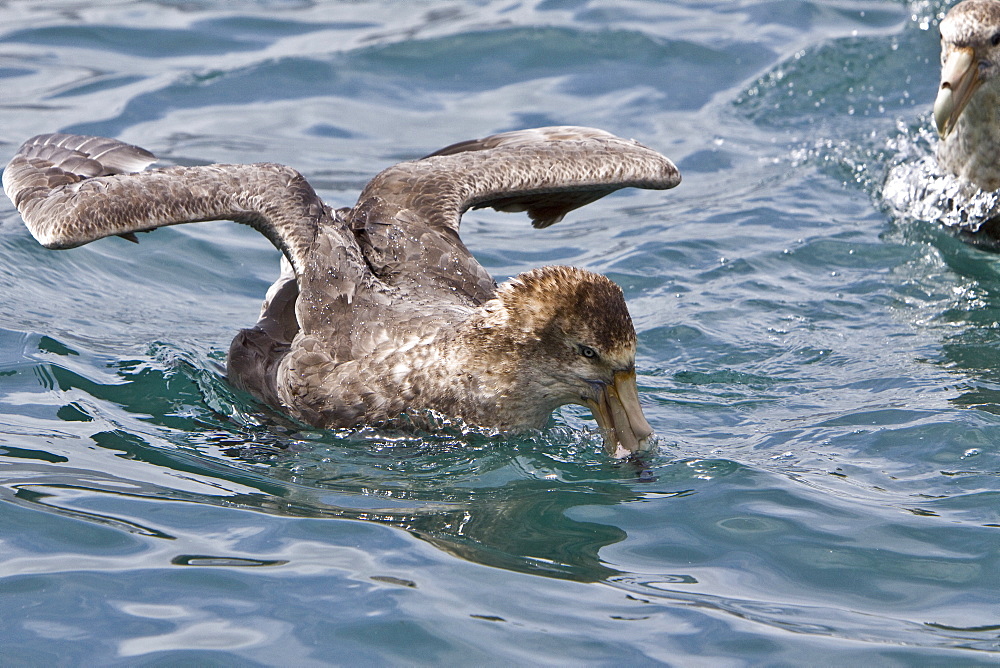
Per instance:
{"type": "Point", "coordinates": [824, 375]}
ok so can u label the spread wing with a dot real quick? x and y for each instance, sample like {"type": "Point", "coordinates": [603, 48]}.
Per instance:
{"type": "Point", "coordinates": [72, 189]}
{"type": "Point", "coordinates": [407, 219]}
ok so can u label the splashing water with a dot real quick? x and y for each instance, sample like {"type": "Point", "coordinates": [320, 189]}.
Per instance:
{"type": "Point", "coordinates": [917, 189]}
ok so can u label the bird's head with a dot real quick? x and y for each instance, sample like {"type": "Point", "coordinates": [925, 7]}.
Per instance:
{"type": "Point", "coordinates": [970, 58]}
{"type": "Point", "coordinates": [577, 333]}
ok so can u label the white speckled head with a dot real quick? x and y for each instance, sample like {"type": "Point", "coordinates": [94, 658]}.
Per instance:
{"type": "Point", "coordinates": [970, 23]}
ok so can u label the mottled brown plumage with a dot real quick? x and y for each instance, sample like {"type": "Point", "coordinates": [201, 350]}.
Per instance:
{"type": "Point", "coordinates": [380, 310]}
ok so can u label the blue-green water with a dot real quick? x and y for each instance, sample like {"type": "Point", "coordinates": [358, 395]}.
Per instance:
{"type": "Point", "coordinates": [825, 379]}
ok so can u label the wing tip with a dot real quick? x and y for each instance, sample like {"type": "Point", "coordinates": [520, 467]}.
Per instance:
{"type": "Point", "coordinates": [69, 152]}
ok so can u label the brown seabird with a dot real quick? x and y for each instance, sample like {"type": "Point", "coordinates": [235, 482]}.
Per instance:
{"type": "Point", "coordinates": [380, 310]}
{"type": "Point", "coordinates": [960, 187]}
{"type": "Point", "coordinates": [967, 107]}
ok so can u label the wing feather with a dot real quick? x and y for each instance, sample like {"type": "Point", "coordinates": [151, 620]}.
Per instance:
{"type": "Point", "coordinates": [409, 215]}
{"type": "Point", "coordinates": [73, 189]}
{"type": "Point", "coordinates": [546, 172]}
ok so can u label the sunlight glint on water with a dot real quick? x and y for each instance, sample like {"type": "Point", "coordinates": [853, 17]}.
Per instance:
{"type": "Point", "coordinates": [823, 372]}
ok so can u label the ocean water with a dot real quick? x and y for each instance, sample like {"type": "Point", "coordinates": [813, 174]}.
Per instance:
{"type": "Point", "coordinates": [823, 375]}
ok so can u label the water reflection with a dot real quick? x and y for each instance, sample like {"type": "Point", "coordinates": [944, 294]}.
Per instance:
{"type": "Point", "coordinates": [497, 501]}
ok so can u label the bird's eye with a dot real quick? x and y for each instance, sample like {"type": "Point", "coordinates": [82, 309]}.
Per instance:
{"type": "Point", "coordinates": [588, 352]}
{"type": "Point", "coordinates": [995, 40]}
